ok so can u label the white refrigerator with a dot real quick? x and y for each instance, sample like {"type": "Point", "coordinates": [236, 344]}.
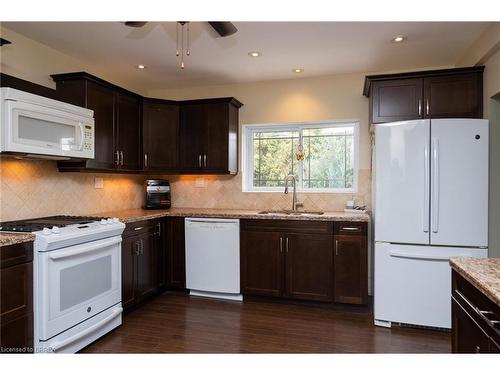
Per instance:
{"type": "Point", "coordinates": [431, 203]}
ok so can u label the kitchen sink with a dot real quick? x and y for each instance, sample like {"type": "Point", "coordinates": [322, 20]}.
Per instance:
{"type": "Point", "coordinates": [290, 212]}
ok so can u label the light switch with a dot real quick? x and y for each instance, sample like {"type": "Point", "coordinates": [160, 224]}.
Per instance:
{"type": "Point", "coordinates": [98, 182]}
{"type": "Point", "coordinates": [199, 183]}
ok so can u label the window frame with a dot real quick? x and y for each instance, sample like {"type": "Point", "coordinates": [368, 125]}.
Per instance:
{"type": "Point", "coordinates": [248, 162]}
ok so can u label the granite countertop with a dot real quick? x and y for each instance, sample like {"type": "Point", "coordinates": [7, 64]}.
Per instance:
{"type": "Point", "coordinates": [129, 216]}
{"type": "Point", "coordinates": [484, 274]}
{"type": "Point", "coordinates": [12, 238]}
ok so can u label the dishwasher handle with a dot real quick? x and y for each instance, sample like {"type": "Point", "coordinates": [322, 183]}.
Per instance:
{"type": "Point", "coordinates": [226, 221]}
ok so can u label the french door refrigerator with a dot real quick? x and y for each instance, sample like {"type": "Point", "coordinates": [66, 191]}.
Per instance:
{"type": "Point", "coordinates": [431, 203]}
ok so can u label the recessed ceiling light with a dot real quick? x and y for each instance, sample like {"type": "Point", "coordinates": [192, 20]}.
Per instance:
{"type": "Point", "coordinates": [140, 66]}
{"type": "Point", "coordinates": [254, 54]}
{"type": "Point", "coordinates": [298, 70]}
{"type": "Point", "coordinates": [398, 39]}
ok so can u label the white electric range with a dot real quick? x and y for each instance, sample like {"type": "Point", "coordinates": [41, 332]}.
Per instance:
{"type": "Point", "coordinates": [77, 279]}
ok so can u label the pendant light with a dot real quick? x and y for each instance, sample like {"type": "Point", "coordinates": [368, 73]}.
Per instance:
{"type": "Point", "coordinates": [180, 53]}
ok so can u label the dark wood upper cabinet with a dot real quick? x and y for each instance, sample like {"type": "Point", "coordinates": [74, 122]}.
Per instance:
{"type": "Point", "coordinates": [459, 95]}
{"type": "Point", "coordinates": [309, 266]}
{"type": "Point", "coordinates": [160, 134]}
{"type": "Point", "coordinates": [128, 129]}
{"type": "Point", "coordinates": [447, 93]}
{"type": "Point", "coordinates": [117, 117]}
{"type": "Point", "coordinates": [396, 100]}
{"type": "Point", "coordinates": [209, 136]}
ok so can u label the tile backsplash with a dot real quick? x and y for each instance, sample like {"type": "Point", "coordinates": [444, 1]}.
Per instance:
{"type": "Point", "coordinates": [35, 188]}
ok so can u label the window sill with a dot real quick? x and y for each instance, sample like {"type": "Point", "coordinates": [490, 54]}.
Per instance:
{"type": "Point", "coordinates": [308, 191]}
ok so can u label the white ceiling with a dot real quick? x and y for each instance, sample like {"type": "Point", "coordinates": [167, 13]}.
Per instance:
{"type": "Point", "coordinates": [321, 48]}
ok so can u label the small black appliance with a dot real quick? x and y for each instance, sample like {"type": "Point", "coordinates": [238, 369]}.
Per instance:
{"type": "Point", "coordinates": [157, 194]}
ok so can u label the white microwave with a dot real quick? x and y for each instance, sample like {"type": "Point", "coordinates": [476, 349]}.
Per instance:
{"type": "Point", "coordinates": [39, 127]}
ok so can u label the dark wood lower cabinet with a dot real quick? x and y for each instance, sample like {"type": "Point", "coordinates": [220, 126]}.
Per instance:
{"type": "Point", "coordinates": [16, 298]}
{"type": "Point", "coordinates": [475, 327]}
{"type": "Point", "coordinates": [174, 250]}
{"type": "Point", "coordinates": [309, 266]}
{"type": "Point", "coordinates": [261, 263]}
{"type": "Point", "coordinates": [142, 262]}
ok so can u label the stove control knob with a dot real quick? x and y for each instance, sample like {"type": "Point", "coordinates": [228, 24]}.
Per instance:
{"type": "Point", "coordinates": [103, 222]}
{"type": "Point", "coordinates": [46, 231]}
{"type": "Point", "coordinates": [55, 229]}
{"type": "Point", "coordinates": [109, 220]}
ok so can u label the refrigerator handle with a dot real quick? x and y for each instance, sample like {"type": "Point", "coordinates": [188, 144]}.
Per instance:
{"type": "Point", "coordinates": [435, 185]}
{"type": "Point", "coordinates": [425, 219]}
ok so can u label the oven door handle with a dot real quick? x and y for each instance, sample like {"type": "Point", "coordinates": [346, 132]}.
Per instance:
{"type": "Point", "coordinates": [61, 344]}
{"type": "Point", "coordinates": [85, 249]}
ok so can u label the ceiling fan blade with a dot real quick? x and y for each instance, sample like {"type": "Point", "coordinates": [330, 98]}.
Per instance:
{"type": "Point", "coordinates": [135, 23]}
{"type": "Point", "coordinates": [223, 28]}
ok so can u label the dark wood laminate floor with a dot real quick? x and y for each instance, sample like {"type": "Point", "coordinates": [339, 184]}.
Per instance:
{"type": "Point", "coordinates": [174, 323]}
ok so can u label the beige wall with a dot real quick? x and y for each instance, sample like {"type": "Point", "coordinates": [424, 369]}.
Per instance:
{"type": "Point", "coordinates": [35, 62]}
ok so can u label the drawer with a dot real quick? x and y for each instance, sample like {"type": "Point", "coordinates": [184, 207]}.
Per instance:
{"type": "Point", "coordinates": [288, 226]}
{"type": "Point", "coordinates": [484, 311]}
{"type": "Point", "coordinates": [351, 228]}
{"type": "Point", "coordinates": [139, 227]}
{"type": "Point", "coordinates": [16, 254]}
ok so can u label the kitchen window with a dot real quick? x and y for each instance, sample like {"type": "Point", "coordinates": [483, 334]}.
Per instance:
{"type": "Point", "coordinates": [322, 156]}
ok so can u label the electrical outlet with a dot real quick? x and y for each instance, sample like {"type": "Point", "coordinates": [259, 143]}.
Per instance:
{"type": "Point", "coordinates": [98, 182]}
{"type": "Point", "coordinates": [199, 183]}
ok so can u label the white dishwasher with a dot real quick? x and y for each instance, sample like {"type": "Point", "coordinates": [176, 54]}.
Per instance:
{"type": "Point", "coordinates": [213, 257]}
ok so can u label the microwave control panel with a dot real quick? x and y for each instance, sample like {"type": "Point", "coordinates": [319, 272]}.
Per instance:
{"type": "Point", "coordinates": [88, 138]}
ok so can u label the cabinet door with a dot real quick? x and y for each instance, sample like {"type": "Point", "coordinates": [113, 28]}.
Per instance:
{"type": "Point", "coordinates": [129, 257]}
{"type": "Point", "coordinates": [146, 265]}
{"type": "Point", "coordinates": [192, 136]}
{"type": "Point", "coordinates": [454, 96]}
{"type": "Point", "coordinates": [309, 266]}
{"type": "Point", "coordinates": [129, 131]}
{"type": "Point", "coordinates": [351, 269]}
{"type": "Point", "coordinates": [397, 100]}
{"type": "Point", "coordinates": [467, 336]}
{"type": "Point", "coordinates": [215, 155]}
{"type": "Point", "coordinates": [160, 136]}
{"type": "Point", "coordinates": [175, 256]}
{"type": "Point", "coordinates": [261, 262]}
{"type": "Point", "coordinates": [101, 100]}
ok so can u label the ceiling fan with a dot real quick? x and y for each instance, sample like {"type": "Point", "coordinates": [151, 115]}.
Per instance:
{"type": "Point", "coordinates": [222, 28]}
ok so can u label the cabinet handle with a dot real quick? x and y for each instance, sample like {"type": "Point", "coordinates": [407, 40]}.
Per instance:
{"type": "Point", "coordinates": [281, 244]}
{"type": "Point", "coordinates": [121, 158]}
{"type": "Point", "coordinates": [138, 228]}
{"type": "Point", "coordinates": [350, 228]}
{"type": "Point", "coordinates": [146, 160]}
{"type": "Point", "coordinates": [286, 244]}
{"type": "Point", "coordinates": [420, 107]}
{"type": "Point", "coordinates": [427, 106]}
{"type": "Point", "coordinates": [199, 160]}
{"type": "Point", "coordinates": [137, 251]}
{"type": "Point", "coordinates": [117, 157]}
{"type": "Point", "coordinates": [158, 226]}
{"type": "Point", "coordinates": [142, 247]}
{"type": "Point", "coordinates": [336, 247]}
{"type": "Point", "coordinates": [205, 160]}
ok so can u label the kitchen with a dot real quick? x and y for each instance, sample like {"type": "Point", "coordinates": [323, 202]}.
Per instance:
{"type": "Point", "coordinates": [154, 204]}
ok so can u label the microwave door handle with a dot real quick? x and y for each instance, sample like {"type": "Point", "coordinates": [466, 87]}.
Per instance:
{"type": "Point", "coordinates": [80, 146]}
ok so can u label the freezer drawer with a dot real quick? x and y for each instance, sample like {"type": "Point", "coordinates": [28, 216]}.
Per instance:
{"type": "Point", "coordinates": [413, 283]}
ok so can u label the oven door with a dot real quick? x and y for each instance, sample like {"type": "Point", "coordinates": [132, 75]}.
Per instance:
{"type": "Point", "coordinates": [76, 283]}
{"type": "Point", "coordinates": [36, 129]}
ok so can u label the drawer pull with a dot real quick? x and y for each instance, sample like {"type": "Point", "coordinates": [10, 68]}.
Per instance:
{"type": "Point", "coordinates": [350, 228]}
{"type": "Point", "coordinates": [138, 228]}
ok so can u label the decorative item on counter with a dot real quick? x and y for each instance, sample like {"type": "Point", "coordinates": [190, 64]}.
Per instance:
{"type": "Point", "coordinates": [350, 204]}
{"type": "Point", "coordinates": [352, 209]}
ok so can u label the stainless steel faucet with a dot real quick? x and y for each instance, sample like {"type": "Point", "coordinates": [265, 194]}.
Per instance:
{"type": "Point", "coordinates": [294, 197]}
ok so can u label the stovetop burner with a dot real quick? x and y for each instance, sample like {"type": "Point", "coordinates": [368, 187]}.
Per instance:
{"type": "Point", "coordinates": [33, 225]}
